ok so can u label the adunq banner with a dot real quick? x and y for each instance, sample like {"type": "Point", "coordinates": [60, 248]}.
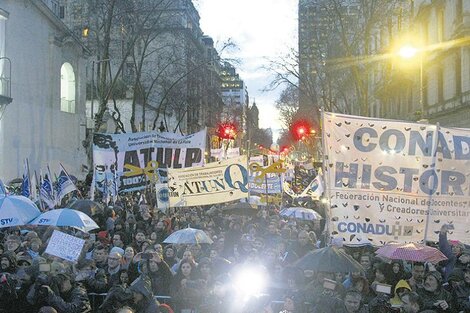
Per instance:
{"type": "Point", "coordinates": [131, 160]}
{"type": "Point", "coordinates": [212, 183]}
{"type": "Point", "coordinates": [395, 181]}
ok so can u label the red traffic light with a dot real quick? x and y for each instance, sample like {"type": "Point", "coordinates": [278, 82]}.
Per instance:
{"type": "Point", "coordinates": [227, 131]}
{"type": "Point", "coordinates": [300, 129]}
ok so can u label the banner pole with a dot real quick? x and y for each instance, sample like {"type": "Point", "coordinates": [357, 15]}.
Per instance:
{"type": "Point", "coordinates": [326, 178]}
{"type": "Point", "coordinates": [433, 162]}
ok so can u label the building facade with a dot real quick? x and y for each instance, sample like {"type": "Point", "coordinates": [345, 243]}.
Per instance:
{"type": "Point", "coordinates": [438, 86]}
{"type": "Point", "coordinates": [44, 119]}
{"type": "Point", "coordinates": [349, 62]}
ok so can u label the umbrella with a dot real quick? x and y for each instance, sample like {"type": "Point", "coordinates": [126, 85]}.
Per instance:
{"type": "Point", "coordinates": [87, 206]}
{"type": "Point", "coordinates": [188, 236]}
{"type": "Point", "coordinates": [16, 211]}
{"type": "Point", "coordinates": [241, 208]}
{"type": "Point", "coordinates": [329, 259]}
{"type": "Point", "coordinates": [415, 252]}
{"type": "Point", "coordinates": [66, 217]}
{"type": "Point", "coordinates": [301, 213]}
{"type": "Point", "coordinates": [253, 200]}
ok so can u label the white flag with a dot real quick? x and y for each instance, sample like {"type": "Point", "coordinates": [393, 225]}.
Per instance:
{"type": "Point", "coordinates": [314, 189]}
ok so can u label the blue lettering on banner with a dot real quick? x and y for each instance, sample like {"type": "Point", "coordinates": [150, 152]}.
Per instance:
{"type": "Point", "coordinates": [375, 229]}
{"type": "Point", "coordinates": [385, 178]}
{"type": "Point", "coordinates": [242, 185]}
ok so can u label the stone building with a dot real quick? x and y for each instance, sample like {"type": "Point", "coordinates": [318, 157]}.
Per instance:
{"type": "Point", "coordinates": [43, 83]}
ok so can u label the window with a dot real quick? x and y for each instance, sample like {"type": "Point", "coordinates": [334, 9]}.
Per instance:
{"type": "Point", "coordinates": [459, 11]}
{"type": "Point", "coordinates": [67, 88]}
{"type": "Point", "coordinates": [440, 25]}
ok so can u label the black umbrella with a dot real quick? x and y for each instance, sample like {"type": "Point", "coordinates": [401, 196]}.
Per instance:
{"type": "Point", "coordinates": [241, 208]}
{"type": "Point", "coordinates": [87, 206]}
{"type": "Point", "coordinates": [329, 259]}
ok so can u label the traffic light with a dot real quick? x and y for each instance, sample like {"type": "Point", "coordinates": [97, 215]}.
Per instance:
{"type": "Point", "coordinates": [301, 129]}
{"type": "Point", "coordinates": [227, 131]}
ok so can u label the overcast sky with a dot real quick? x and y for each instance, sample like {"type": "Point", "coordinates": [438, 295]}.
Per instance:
{"type": "Point", "coordinates": [262, 29]}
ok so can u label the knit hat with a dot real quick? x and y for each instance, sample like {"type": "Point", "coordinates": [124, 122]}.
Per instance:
{"type": "Point", "coordinates": [118, 250]}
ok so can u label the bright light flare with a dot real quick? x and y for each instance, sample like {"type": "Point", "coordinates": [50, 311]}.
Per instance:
{"type": "Point", "coordinates": [250, 281]}
{"type": "Point", "coordinates": [407, 52]}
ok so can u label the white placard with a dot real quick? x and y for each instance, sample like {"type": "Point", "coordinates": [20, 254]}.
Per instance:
{"type": "Point", "coordinates": [65, 246]}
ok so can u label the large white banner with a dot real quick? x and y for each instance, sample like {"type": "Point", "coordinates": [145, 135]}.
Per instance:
{"type": "Point", "coordinates": [386, 177]}
{"type": "Point", "coordinates": [212, 183]}
{"type": "Point", "coordinates": [134, 157]}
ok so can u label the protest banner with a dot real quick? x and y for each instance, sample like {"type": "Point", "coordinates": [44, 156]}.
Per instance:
{"type": "Point", "coordinates": [212, 183]}
{"type": "Point", "coordinates": [222, 154]}
{"type": "Point", "coordinates": [271, 184]}
{"type": "Point", "coordinates": [395, 181]}
{"type": "Point", "coordinates": [65, 246]}
{"type": "Point", "coordinates": [133, 160]}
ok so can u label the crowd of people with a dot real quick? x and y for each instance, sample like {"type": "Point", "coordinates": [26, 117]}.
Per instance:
{"type": "Point", "coordinates": [125, 267]}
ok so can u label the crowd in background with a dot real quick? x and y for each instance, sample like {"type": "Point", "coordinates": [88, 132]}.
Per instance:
{"type": "Point", "coordinates": [126, 267]}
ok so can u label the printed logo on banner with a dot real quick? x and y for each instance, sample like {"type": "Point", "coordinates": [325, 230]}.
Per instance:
{"type": "Point", "coordinates": [213, 183]}
{"type": "Point", "coordinates": [163, 195]}
{"type": "Point", "coordinates": [6, 221]}
{"type": "Point", "coordinates": [386, 178]}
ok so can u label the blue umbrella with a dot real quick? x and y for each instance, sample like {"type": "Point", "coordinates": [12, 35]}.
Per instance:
{"type": "Point", "coordinates": [188, 236]}
{"type": "Point", "coordinates": [301, 213]}
{"type": "Point", "coordinates": [16, 211]}
{"type": "Point", "coordinates": [66, 217]}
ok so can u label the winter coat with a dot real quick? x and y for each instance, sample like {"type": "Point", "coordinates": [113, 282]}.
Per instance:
{"type": "Point", "coordinates": [161, 279]}
{"type": "Point", "coordinates": [74, 301]}
{"type": "Point", "coordinates": [461, 297]}
{"type": "Point", "coordinates": [429, 298]}
{"type": "Point", "coordinates": [148, 304]}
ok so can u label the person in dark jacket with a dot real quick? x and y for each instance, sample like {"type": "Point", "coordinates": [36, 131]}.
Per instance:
{"type": "Point", "coordinates": [143, 296]}
{"type": "Point", "coordinates": [433, 295]}
{"type": "Point", "coordinates": [461, 292]}
{"type": "Point", "coordinates": [71, 298]}
{"type": "Point", "coordinates": [8, 262]}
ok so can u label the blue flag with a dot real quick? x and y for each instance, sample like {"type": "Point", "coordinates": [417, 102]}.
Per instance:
{"type": "Point", "coordinates": [46, 192]}
{"type": "Point", "coordinates": [65, 185]}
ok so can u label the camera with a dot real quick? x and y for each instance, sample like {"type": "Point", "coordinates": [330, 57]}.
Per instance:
{"type": "Point", "coordinates": [146, 256]}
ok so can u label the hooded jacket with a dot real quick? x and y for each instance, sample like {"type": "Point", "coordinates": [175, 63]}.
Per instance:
{"type": "Point", "coordinates": [396, 299]}
{"type": "Point", "coordinates": [148, 304]}
{"type": "Point", "coordinates": [461, 295]}
{"type": "Point", "coordinates": [13, 262]}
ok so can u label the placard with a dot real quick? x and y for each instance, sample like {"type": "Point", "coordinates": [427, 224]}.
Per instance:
{"type": "Point", "coordinates": [65, 246]}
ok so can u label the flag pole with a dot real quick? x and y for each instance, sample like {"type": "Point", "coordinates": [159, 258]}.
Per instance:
{"type": "Point", "coordinates": [29, 177]}
{"type": "Point", "coordinates": [40, 200]}
{"type": "Point", "coordinates": [52, 186]}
